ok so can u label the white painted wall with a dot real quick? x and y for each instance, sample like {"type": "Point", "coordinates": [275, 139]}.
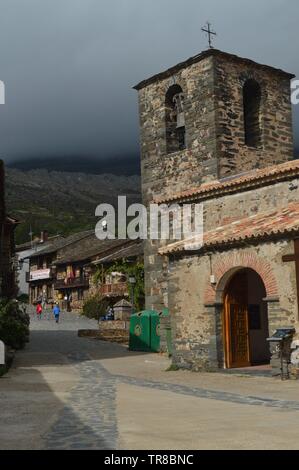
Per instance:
{"type": "Point", "coordinates": [23, 285]}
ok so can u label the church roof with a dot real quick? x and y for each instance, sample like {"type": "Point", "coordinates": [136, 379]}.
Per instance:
{"type": "Point", "coordinates": [270, 225]}
{"type": "Point", "coordinates": [203, 55]}
{"type": "Point", "coordinates": [250, 180]}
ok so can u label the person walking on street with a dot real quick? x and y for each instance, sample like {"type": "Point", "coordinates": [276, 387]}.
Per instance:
{"type": "Point", "coordinates": [56, 312]}
{"type": "Point", "coordinates": [39, 311]}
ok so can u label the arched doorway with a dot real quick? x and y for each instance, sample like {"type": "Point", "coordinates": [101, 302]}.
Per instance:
{"type": "Point", "coordinates": [245, 321]}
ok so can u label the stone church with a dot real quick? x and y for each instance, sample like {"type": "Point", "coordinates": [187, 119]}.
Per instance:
{"type": "Point", "coordinates": [217, 130]}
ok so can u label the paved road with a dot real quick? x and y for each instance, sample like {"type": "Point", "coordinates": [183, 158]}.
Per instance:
{"type": "Point", "coordinates": [65, 392]}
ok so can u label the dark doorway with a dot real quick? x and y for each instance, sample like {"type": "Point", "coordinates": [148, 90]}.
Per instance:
{"type": "Point", "coordinates": [245, 321]}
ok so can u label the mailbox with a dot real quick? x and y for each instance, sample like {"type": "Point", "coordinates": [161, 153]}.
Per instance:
{"type": "Point", "coordinates": [281, 354]}
{"type": "Point", "coordinates": [282, 334]}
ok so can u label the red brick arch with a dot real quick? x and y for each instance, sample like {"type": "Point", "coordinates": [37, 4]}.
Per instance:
{"type": "Point", "coordinates": [229, 264]}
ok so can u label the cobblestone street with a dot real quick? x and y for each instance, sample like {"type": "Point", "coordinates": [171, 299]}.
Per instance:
{"type": "Point", "coordinates": [64, 392]}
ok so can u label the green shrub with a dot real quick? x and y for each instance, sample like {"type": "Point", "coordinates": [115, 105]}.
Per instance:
{"type": "Point", "coordinates": [95, 307]}
{"type": "Point", "coordinates": [172, 368]}
{"type": "Point", "coordinates": [23, 298]}
{"type": "Point", "coordinates": [14, 325]}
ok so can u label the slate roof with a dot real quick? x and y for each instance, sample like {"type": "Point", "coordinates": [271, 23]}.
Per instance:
{"type": "Point", "coordinates": [28, 245]}
{"type": "Point", "coordinates": [63, 243]}
{"type": "Point", "coordinates": [134, 249]}
{"type": "Point", "coordinates": [95, 248]}
{"type": "Point", "coordinates": [249, 180]}
{"type": "Point", "coordinates": [199, 57]}
{"type": "Point", "coordinates": [275, 224]}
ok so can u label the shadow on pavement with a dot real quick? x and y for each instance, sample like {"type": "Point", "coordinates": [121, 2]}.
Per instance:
{"type": "Point", "coordinates": [34, 418]}
{"type": "Point", "coordinates": [68, 343]}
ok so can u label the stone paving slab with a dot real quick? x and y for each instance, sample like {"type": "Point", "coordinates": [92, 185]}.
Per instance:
{"type": "Point", "coordinates": [212, 394]}
{"type": "Point", "coordinates": [78, 387]}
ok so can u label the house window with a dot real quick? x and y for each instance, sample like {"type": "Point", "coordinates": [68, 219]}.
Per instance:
{"type": "Point", "coordinates": [252, 113]}
{"type": "Point", "coordinates": [175, 120]}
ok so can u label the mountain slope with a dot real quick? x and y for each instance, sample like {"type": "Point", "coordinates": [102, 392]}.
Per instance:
{"type": "Point", "coordinates": [62, 202]}
{"type": "Point", "coordinates": [74, 164]}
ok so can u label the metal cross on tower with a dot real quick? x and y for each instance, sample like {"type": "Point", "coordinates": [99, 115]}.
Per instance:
{"type": "Point", "coordinates": [210, 33]}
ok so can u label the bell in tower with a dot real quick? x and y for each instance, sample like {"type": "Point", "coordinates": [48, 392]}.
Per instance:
{"type": "Point", "coordinates": [175, 120]}
{"type": "Point", "coordinates": [178, 101]}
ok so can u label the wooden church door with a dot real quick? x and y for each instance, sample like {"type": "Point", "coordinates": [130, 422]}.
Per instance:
{"type": "Point", "coordinates": [236, 328]}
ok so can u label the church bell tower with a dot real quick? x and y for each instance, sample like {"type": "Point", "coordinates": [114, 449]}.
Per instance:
{"type": "Point", "coordinates": [208, 118]}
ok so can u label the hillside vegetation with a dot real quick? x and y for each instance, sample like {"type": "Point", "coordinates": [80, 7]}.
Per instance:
{"type": "Point", "coordinates": [62, 202]}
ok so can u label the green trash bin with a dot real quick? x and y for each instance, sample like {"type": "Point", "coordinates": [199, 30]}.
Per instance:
{"type": "Point", "coordinates": [145, 330]}
{"type": "Point", "coordinates": [140, 331]}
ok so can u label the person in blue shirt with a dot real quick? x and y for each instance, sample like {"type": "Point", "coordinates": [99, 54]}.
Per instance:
{"type": "Point", "coordinates": [56, 312]}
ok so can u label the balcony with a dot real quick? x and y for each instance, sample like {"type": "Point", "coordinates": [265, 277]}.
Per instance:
{"type": "Point", "coordinates": [71, 283]}
{"type": "Point", "coordinates": [39, 275]}
{"type": "Point", "coordinates": [119, 289]}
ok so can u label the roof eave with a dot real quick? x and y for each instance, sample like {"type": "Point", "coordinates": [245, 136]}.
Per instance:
{"type": "Point", "coordinates": [203, 55]}
{"type": "Point", "coordinates": [221, 188]}
{"type": "Point", "coordinates": [232, 243]}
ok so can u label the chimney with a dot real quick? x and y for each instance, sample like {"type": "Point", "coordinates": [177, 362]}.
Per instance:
{"type": "Point", "coordinates": [44, 236]}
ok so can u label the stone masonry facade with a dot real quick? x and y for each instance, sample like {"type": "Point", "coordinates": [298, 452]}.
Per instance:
{"type": "Point", "coordinates": [196, 305]}
{"type": "Point", "coordinates": [216, 151]}
{"type": "Point", "coordinates": [212, 83]}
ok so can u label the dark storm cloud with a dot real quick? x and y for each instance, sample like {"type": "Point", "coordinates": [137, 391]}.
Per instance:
{"type": "Point", "coordinates": [69, 65]}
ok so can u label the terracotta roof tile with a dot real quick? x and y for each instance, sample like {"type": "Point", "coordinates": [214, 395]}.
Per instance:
{"type": "Point", "coordinates": [260, 226]}
{"type": "Point", "coordinates": [251, 179]}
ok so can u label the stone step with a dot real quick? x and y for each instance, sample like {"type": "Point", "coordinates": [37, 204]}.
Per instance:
{"type": "Point", "coordinates": [114, 339]}
{"type": "Point", "coordinates": [113, 336]}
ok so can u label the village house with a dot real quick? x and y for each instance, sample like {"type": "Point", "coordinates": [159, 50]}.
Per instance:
{"type": "Point", "coordinates": [8, 285]}
{"type": "Point", "coordinates": [24, 251]}
{"type": "Point", "coordinates": [217, 130]}
{"type": "Point", "coordinates": [42, 275]}
{"type": "Point", "coordinates": [64, 272]}
{"type": "Point", "coordinates": [115, 285]}
{"type": "Point", "coordinates": [75, 270]}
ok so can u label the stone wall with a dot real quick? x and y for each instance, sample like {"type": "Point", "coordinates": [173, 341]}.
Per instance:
{"type": "Point", "coordinates": [275, 118]}
{"type": "Point", "coordinates": [8, 285]}
{"type": "Point", "coordinates": [215, 138]}
{"type": "Point", "coordinates": [196, 305]}
{"type": "Point", "coordinates": [214, 125]}
{"type": "Point", "coordinates": [166, 173]}
{"type": "Point", "coordinates": [228, 208]}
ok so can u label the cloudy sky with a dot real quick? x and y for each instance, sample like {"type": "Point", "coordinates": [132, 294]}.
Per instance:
{"type": "Point", "coordinates": [69, 65]}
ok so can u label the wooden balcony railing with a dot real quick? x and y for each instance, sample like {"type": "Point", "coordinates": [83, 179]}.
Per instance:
{"type": "Point", "coordinates": [70, 283]}
{"type": "Point", "coordinates": [114, 290]}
